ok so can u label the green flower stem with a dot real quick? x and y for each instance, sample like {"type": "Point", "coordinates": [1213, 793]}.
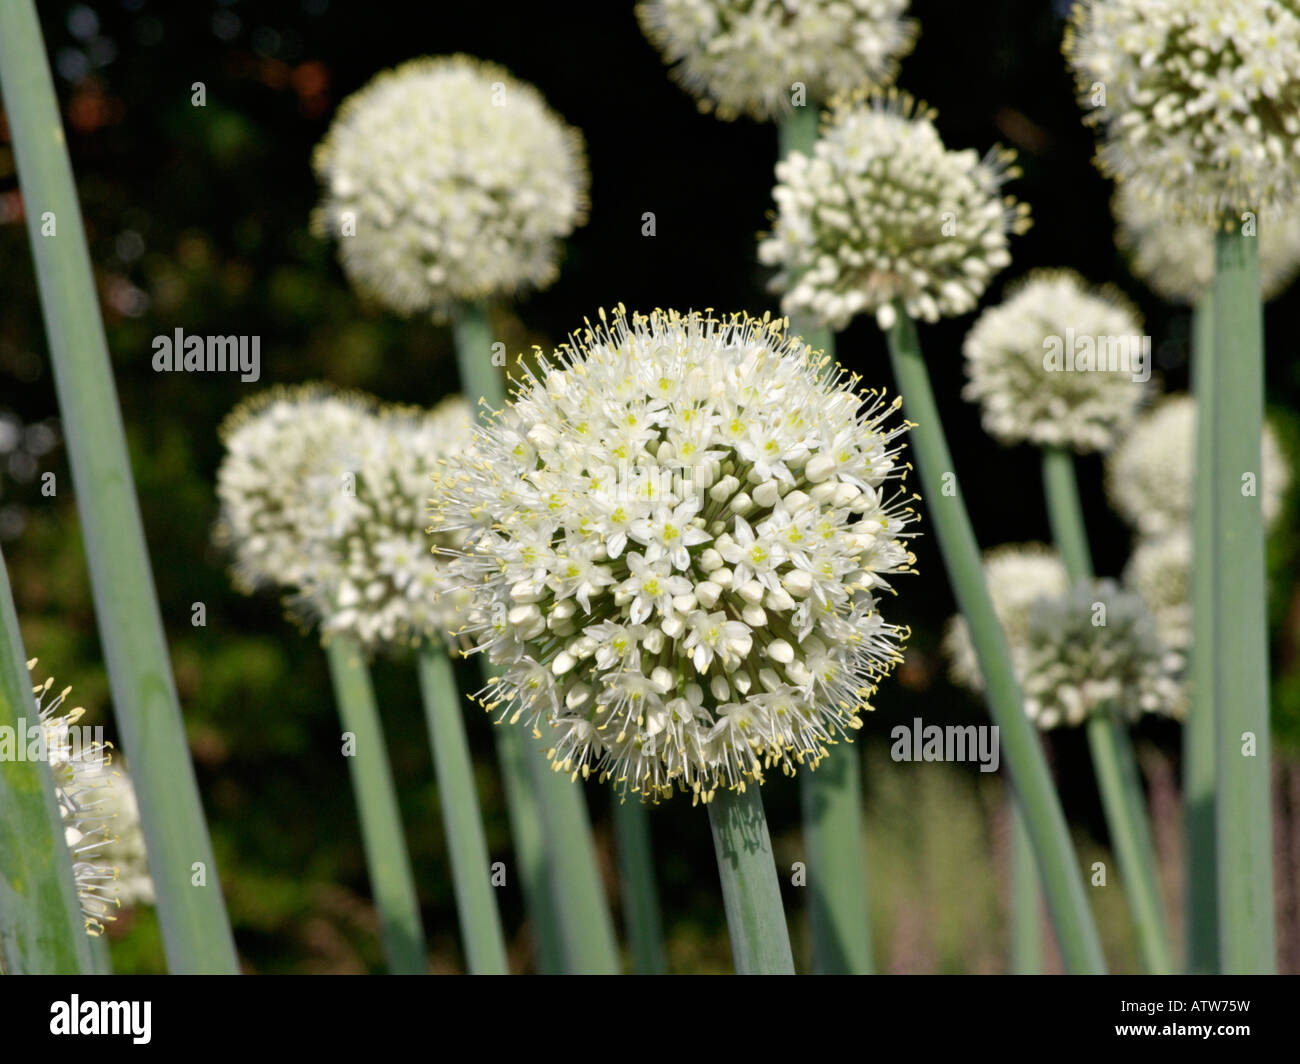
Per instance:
{"type": "Point", "coordinates": [1062, 883]}
{"type": "Point", "coordinates": [636, 871]}
{"type": "Point", "coordinates": [1240, 627]}
{"type": "Point", "coordinates": [833, 834]}
{"type": "Point", "coordinates": [42, 931]}
{"type": "Point", "coordinates": [1026, 901]}
{"type": "Point", "coordinates": [751, 895]}
{"type": "Point", "coordinates": [195, 929]}
{"type": "Point", "coordinates": [797, 131]}
{"type": "Point", "coordinates": [100, 954]}
{"type": "Point", "coordinates": [391, 879]}
{"type": "Point", "coordinates": [476, 903]}
{"type": "Point", "coordinates": [1113, 762]}
{"type": "Point", "coordinates": [579, 909]}
{"type": "Point", "coordinates": [1200, 773]}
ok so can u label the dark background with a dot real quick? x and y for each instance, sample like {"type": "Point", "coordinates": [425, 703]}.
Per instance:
{"type": "Point", "coordinates": [197, 218]}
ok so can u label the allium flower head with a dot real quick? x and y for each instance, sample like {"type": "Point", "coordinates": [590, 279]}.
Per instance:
{"type": "Point", "coordinates": [1017, 576]}
{"type": "Point", "coordinates": [1058, 364]}
{"type": "Point", "coordinates": [1160, 570]}
{"type": "Point", "coordinates": [448, 180]}
{"type": "Point", "coordinates": [1095, 649]}
{"type": "Point", "coordinates": [675, 539]}
{"type": "Point", "coordinates": [1175, 257]}
{"type": "Point", "coordinates": [882, 211]}
{"type": "Point", "coordinates": [1202, 99]}
{"type": "Point", "coordinates": [746, 56]}
{"type": "Point", "coordinates": [1149, 475]}
{"type": "Point", "coordinates": [82, 787]}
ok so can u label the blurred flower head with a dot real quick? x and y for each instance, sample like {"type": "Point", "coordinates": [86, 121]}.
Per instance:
{"type": "Point", "coordinates": [1149, 475]}
{"type": "Point", "coordinates": [747, 56]}
{"type": "Point", "coordinates": [882, 211]}
{"type": "Point", "coordinates": [676, 535]}
{"type": "Point", "coordinates": [1058, 364]}
{"type": "Point", "coordinates": [1198, 100]}
{"type": "Point", "coordinates": [448, 180]}
{"type": "Point", "coordinates": [1160, 570]}
{"type": "Point", "coordinates": [1017, 574]}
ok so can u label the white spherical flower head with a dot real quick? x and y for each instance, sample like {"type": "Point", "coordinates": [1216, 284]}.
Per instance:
{"type": "Point", "coordinates": [1198, 100]}
{"type": "Point", "coordinates": [1057, 364]}
{"type": "Point", "coordinates": [747, 56]}
{"type": "Point", "coordinates": [1094, 649]}
{"type": "Point", "coordinates": [287, 479]}
{"type": "Point", "coordinates": [377, 580]}
{"type": "Point", "coordinates": [1160, 570]}
{"type": "Point", "coordinates": [1017, 576]}
{"type": "Point", "coordinates": [1149, 475]}
{"type": "Point", "coordinates": [882, 211]}
{"type": "Point", "coordinates": [676, 536]}
{"type": "Point", "coordinates": [448, 180]}
{"type": "Point", "coordinates": [82, 784]}
{"type": "Point", "coordinates": [1175, 256]}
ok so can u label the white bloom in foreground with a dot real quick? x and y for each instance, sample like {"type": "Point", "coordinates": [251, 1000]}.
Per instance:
{"type": "Point", "coordinates": [1149, 475]}
{"type": "Point", "coordinates": [1201, 106]}
{"type": "Point", "coordinates": [675, 538]}
{"type": "Point", "coordinates": [448, 180]}
{"type": "Point", "coordinates": [1175, 257]}
{"type": "Point", "coordinates": [1058, 364]}
{"type": "Point", "coordinates": [82, 786]}
{"type": "Point", "coordinates": [1160, 570]}
{"type": "Point", "coordinates": [882, 211]}
{"type": "Point", "coordinates": [1095, 649]}
{"type": "Point", "coordinates": [1017, 576]}
{"type": "Point", "coordinates": [288, 479]}
{"type": "Point", "coordinates": [747, 56]}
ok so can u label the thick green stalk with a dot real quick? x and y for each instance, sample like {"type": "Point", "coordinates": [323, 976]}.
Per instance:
{"type": "Point", "coordinates": [751, 895]}
{"type": "Point", "coordinates": [636, 873]}
{"type": "Point", "coordinates": [476, 902]}
{"type": "Point", "coordinates": [834, 846]}
{"type": "Point", "coordinates": [1200, 773]}
{"type": "Point", "coordinates": [1240, 636]}
{"type": "Point", "coordinates": [480, 380]}
{"type": "Point", "coordinates": [1062, 883]}
{"type": "Point", "coordinates": [391, 879]}
{"type": "Point", "coordinates": [1026, 901]}
{"type": "Point", "coordinates": [195, 928]}
{"type": "Point", "coordinates": [797, 131]}
{"type": "Point", "coordinates": [1112, 755]}
{"type": "Point", "coordinates": [42, 931]}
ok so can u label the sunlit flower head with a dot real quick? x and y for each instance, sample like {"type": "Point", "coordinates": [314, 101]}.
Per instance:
{"type": "Point", "coordinates": [1160, 570]}
{"type": "Point", "coordinates": [1057, 363]}
{"type": "Point", "coordinates": [448, 180]}
{"type": "Point", "coordinates": [1149, 475]}
{"type": "Point", "coordinates": [1198, 101]}
{"type": "Point", "coordinates": [748, 56]}
{"type": "Point", "coordinates": [1094, 649]}
{"type": "Point", "coordinates": [882, 211]}
{"type": "Point", "coordinates": [1017, 576]}
{"type": "Point", "coordinates": [676, 536]}
{"type": "Point", "coordinates": [1175, 257]}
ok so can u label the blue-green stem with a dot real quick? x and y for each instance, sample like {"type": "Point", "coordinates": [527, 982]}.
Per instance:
{"type": "Point", "coordinates": [391, 880]}
{"type": "Point", "coordinates": [1038, 802]}
{"type": "Point", "coordinates": [1026, 901]}
{"type": "Point", "coordinates": [195, 929]}
{"type": "Point", "coordinates": [42, 930]}
{"type": "Point", "coordinates": [636, 874]}
{"type": "Point", "coordinates": [476, 902]}
{"type": "Point", "coordinates": [751, 894]}
{"type": "Point", "coordinates": [1243, 814]}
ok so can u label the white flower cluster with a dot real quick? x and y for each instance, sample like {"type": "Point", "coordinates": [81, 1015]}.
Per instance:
{"type": "Point", "coordinates": [1175, 257]}
{"type": "Point", "coordinates": [1149, 475]}
{"type": "Point", "coordinates": [1055, 364]}
{"type": "Point", "coordinates": [882, 211]}
{"type": "Point", "coordinates": [1201, 107]}
{"type": "Point", "coordinates": [1160, 570]}
{"type": "Point", "coordinates": [676, 535]}
{"type": "Point", "coordinates": [447, 180]}
{"type": "Point", "coordinates": [1095, 649]}
{"type": "Point", "coordinates": [1018, 575]}
{"type": "Point", "coordinates": [747, 56]}
{"type": "Point", "coordinates": [325, 494]}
